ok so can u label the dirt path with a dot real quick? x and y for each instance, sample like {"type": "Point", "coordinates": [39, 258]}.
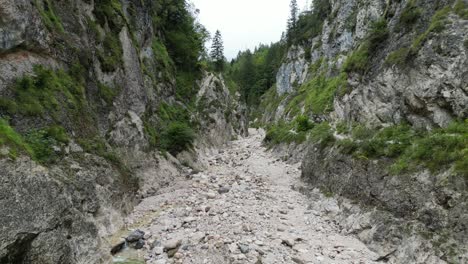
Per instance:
{"type": "Point", "coordinates": [243, 209]}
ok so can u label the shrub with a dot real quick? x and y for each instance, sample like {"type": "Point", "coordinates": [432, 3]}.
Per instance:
{"type": "Point", "coordinates": [398, 57]}
{"type": "Point", "coordinates": [107, 93]}
{"type": "Point", "coordinates": [161, 55]}
{"type": "Point", "coordinates": [303, 123]}
{"type": "Point", "coordinates": [46, 91]}
{"type": "Point", "coordinates": [321, 91]}
{"type": "Point", "coordinates": [8, 106]}
{"type": "Point", "coordinates": [42, 142]}
{"type": "Point", "coordinates": [359, 60]}
{"type": "Point", "coordinates": [177, 137]}
{"type": "Point", "coordinates": [14, 141]}
{"type": "Point", "coordinates": [110, 56]}
{"type": "Point", "coordinates": [283, 132]}
{"type": "Point", "coordinates": [323, 134]}
{"type": "Point", "coordinates": [410, 14]}
{"type": "Point", "coordinates": [48, 16]}
{"type": "Point", "coordinates": [461, 9]}
{"type": "Point", "coordinates": [438, 22]}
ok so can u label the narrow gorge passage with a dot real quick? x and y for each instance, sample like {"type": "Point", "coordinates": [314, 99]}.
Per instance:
{"type": "Point", "coordinates": [243, 209]}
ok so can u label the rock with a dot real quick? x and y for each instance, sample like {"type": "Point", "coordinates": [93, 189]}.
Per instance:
{"type": "Point", "coordinates": [297, 260]}
{"type": "Point", "coordinates": [139, 244]}
{"type": "Point", "coordinates": [158, 250]}
{"type": "Point", "coordinates": [210, 195]}
{"type": "Point", "coordinates": [224, 190]}
{"type": "Point", "coordinates": [288, 242]}
{"type": "Point", "coordinates": [172, 244]}
{"type": "Point", "coordinates": [244, 248]}
{"type": "Point", "coordinates": [135, 236]}
{"type": "Point", "coordinates": [171, 253]}
{"type": "Point", "coordinates": [117, 248]}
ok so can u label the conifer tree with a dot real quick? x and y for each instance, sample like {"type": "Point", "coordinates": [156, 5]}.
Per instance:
{"type": "Point", "coordinates": [217, 51]}
{"type": "Point", "coordinates": [292, 21]}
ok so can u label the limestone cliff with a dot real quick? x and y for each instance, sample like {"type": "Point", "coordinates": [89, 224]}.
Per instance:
{"type": "Point", "coordinates": [380, 66]}
{"type": "Point", "coordinates": [93, 94]}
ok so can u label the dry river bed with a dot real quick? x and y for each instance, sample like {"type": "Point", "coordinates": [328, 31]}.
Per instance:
{"type": "Point", "coordinates": [245, 208]}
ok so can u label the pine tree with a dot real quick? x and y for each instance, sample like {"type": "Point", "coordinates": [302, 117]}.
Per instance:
{"type": "Point", "coordinates": [292, 21]}
{"type": "Point", "coordinates": [217, 52]}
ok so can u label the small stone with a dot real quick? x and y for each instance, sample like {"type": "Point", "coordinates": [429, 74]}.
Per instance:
{"type": "Point", "coordinates": [139, 244]}
{"type": "Point", "coordinates": [172, 244]}
{"type": "Point", "coordinates": [223, 190]}
{"type": "Point", "coordinates": [244, 248]}
{"type": "Point", "coordinates": [135, 236]}
{"type": "Point", "coordinates": [117, 248]}
{"type": "Point", "coordinates": [288, 242]}
{"type": "Point", "coordinates": [158, 250]}
{"type": "Point", "coordinates": [189, 220]}
{"type": "Point", "coordinates": [297, 260]}
{"type": "Point", "coordinates": [171, 253]}
{"type": "Point", "coordinates": [210, 195]}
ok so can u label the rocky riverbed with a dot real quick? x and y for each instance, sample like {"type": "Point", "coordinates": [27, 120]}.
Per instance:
{"type": "Point", "coordinates": [244, 209]}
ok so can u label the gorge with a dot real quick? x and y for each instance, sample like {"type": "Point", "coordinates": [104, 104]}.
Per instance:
{"type": "Point", "coordinates": [344, 142]}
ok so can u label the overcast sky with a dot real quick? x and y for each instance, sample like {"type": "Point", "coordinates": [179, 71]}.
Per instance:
{"type": "Point", "coordinates": [245, 23]}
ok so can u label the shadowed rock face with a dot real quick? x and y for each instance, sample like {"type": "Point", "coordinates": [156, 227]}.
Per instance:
{"type": "Point", "coordinates": [50, 215]}
{"type": "Point", "coordinates": [423, 202]}
{"type": "Point", "coordinates": [60, 212]}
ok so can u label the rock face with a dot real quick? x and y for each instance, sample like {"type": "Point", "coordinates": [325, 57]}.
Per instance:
{"type": "Point", "coordinates": [293, 72]}
{"type": "Point", "coordinates": [426, 89]}
{"type": "Point", "coordinates": [423, 202]}
{"type": "Point", "coordinates": [221, 113]}
{"type": "Point", "coordinates": [59, 212]}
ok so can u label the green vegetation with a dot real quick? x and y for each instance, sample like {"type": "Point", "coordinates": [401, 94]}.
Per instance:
{"type": "Point", "coordinates": [107, 93]}
{"type": "Point", "coordinates": [109, 12]}
{"type": "Point", "coordinates": [359, 61]}
{"type": "Point", "coordinates": [309, 24]}
{"type": "Point", "coordinates": [316, 96]}
{"type": "Point", "coordinates": [36, 143]}
{"type": "Point", "coordinates": [436, 150]}
{"type": "Point", "coordinates": [48, 16]}
{"type": "Point", "coordinates": [255, 72]}
{"type": "Point", "coordinates": [177, 137]}
{"type": "Point", "coordinates": [298, 131]}
{"type": "Point", "coordinates": [42, 143]}
{"type": "Point", "coordinates": [398, 57]}
{"type": "Point", "coordinates": [173, 131]}
{"type": "Point", "coordinates": [162, 56]}
{"type": "Point", "coordinates": [11, 139]}
{"type": "Point", "coordinates": [438, 22]}
{"type": "Point", "coordinates": [320, 92]}
{"type": "Point", "coordinates": [410, 14]}
{"type": "Point", "coordinates": [461, 9]}
{"type": "Point", "coordinates": [111, 53]}
{"type": "Point", "coordinates": [322, 134]}
{"type": "Point", "coordinates": [303, 123]}
{"type": "Point", "coordinates": [217, 52]}
{"type": "Point", "coordinates": [409, 149]}
{"type": "Point", "coordinates": [283, 132]}
{"type": "Point", "coordinates": [46, 92]}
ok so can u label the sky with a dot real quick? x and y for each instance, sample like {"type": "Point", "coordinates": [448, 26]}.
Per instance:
{"type": "Point", "coordinates": [245, 23]}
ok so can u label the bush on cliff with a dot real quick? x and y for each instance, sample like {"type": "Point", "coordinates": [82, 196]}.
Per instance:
{"type": "Point", "coordinates": [177, 137]}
